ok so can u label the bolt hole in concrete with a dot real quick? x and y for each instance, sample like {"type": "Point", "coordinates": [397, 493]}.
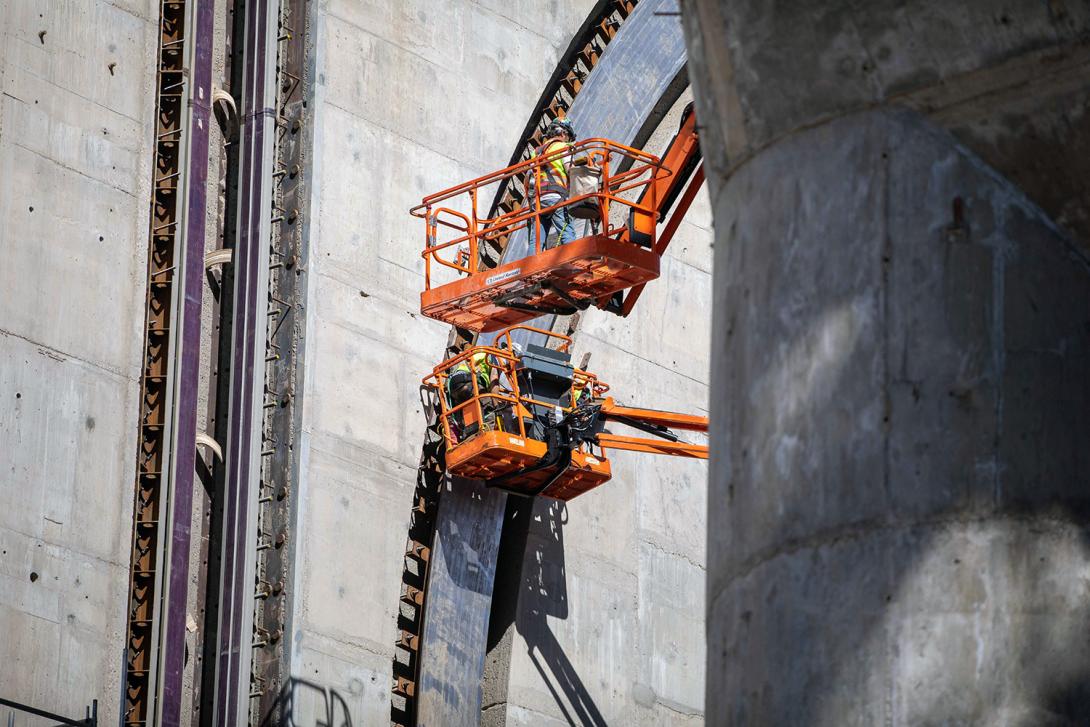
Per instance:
{"type": "Point", "coordinates": [18, 395]}
{"type": "Point", "coordinates": [33, 576]}
{"type": "Point", "coordinates": [31, 209]}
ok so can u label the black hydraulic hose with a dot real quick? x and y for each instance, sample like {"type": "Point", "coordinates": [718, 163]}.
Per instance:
{"type": "Point", "coordinates": [657, 429]}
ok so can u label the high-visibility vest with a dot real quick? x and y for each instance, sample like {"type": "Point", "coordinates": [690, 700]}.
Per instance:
{"type": "Point", "coordinates": [552, 177]}
{"type": "Point", "coordinates": [483, 366]}
{"type": "Point", "coordinates": [580, 390]}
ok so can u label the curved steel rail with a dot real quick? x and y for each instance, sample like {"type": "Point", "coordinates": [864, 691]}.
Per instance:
{"type": "Point", "coordinates": [567, 82]}
{"type": "Point", "coordinates": [437, 679]}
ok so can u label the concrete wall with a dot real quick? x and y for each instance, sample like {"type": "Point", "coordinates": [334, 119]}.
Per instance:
{"type": "Point", "coordinates": [409, 98]}
{"type": "Point", "coordinates": [897, 508]}
{"type": "Point", "coordinates": [610, 625]}
{"type": "Point", "coordinates": [74, 176]}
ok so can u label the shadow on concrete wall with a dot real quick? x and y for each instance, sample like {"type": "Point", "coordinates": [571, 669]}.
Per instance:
{"type": "Point", "coordinates": [528, 595]}
{"type": "Point", "coordinates": [303, 703]}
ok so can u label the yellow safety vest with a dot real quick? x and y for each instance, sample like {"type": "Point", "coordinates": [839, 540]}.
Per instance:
{"type": "Point", "coordinates": [480, 363]}
{"type": "Point", "coordinates": [553, 176]}
{"type": "Point", "coordinates": [580, 390]}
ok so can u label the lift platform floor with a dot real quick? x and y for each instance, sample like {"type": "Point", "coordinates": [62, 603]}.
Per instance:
{"type": "Point", "coordinates": [562, 280]}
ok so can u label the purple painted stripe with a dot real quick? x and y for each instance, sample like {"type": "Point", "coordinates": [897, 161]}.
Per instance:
{"type": "Point", "coordinates": [188, 372]}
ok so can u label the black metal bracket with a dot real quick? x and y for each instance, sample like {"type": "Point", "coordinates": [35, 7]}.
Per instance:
{"type": "Point", "coordinates": [510, 300]}
{"type": "Point", "coordinates": [657, 429]}
{"type": "Point", "coordinates": [91, 720]}
{"type": "Point", "coordinates": [565, 295]}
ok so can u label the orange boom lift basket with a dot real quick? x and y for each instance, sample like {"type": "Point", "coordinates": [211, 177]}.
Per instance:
{"type": "Point", "coordinates": [622, 193]}
{"type": "Point", "coordinates": [537, 427]}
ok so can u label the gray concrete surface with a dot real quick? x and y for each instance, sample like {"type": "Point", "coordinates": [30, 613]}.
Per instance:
{"type": "Point", "coordinates": [897, 507]}
{"type": "Point", "coordinates": [74, 176]}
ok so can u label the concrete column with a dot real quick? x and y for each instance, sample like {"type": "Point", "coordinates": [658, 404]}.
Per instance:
{"type": "Point", "coordinates": [897, 509]}
{"type": "Point", "coordinates": [897, 520]}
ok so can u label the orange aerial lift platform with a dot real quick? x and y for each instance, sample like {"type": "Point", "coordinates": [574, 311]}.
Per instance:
{"type": "Point", "coordinates": [622, 192]}
{"type": "Point", "coordinates": [529, 422]}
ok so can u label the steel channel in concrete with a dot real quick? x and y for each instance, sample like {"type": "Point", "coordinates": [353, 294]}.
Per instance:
{"type": "Point", "coordinates": [280, 466]}
{"type": "Point", "coordinates": [250, 307]}
{"type": "Point", "coordinates": [156, 461]}
{"type": "Point", "coordinates": [190, 267]}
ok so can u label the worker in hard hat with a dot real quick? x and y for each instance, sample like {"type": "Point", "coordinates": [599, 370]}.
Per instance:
{"type": "Point", "coordinates": [551, 182]}
{"type": "Point", "coordinates": [578, 395]}
{"type": "Point", "coordinates": [479, 366]}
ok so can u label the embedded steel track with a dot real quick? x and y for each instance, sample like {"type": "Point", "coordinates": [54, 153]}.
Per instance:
{"type": "Point", "coordinates": [148, 536]}
{"type": "Point", "coordinates": [159, 560]}
{"type": "Point", "coordinates": [270, 669]}
{"type": "Point", "coordinates": [428, 590]}
{"type": "Point", "coordinates": [228, 638]}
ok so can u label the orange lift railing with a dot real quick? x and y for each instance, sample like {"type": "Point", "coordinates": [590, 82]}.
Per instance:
{"type": "Point", "coordinates": [621, 194]}
{"type": "Point", "coordinates": [537, 427]}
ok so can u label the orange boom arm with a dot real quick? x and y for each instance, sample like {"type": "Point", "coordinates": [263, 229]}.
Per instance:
{"type": "Point", "coordinates": [655, 422]}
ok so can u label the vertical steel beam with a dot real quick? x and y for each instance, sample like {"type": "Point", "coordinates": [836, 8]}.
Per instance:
{"type": "Point", "coordinates": [189, 272]}
{"type": "Point", "coordinates": [221, 373]}
{"type": "Point", "coordinates": [234, 650]}
{"type": "Point", "coordinates": [283, 367]}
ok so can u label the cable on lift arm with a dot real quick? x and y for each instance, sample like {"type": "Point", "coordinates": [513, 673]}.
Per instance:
{"type": "Point", "coordinates": [657, 429]}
